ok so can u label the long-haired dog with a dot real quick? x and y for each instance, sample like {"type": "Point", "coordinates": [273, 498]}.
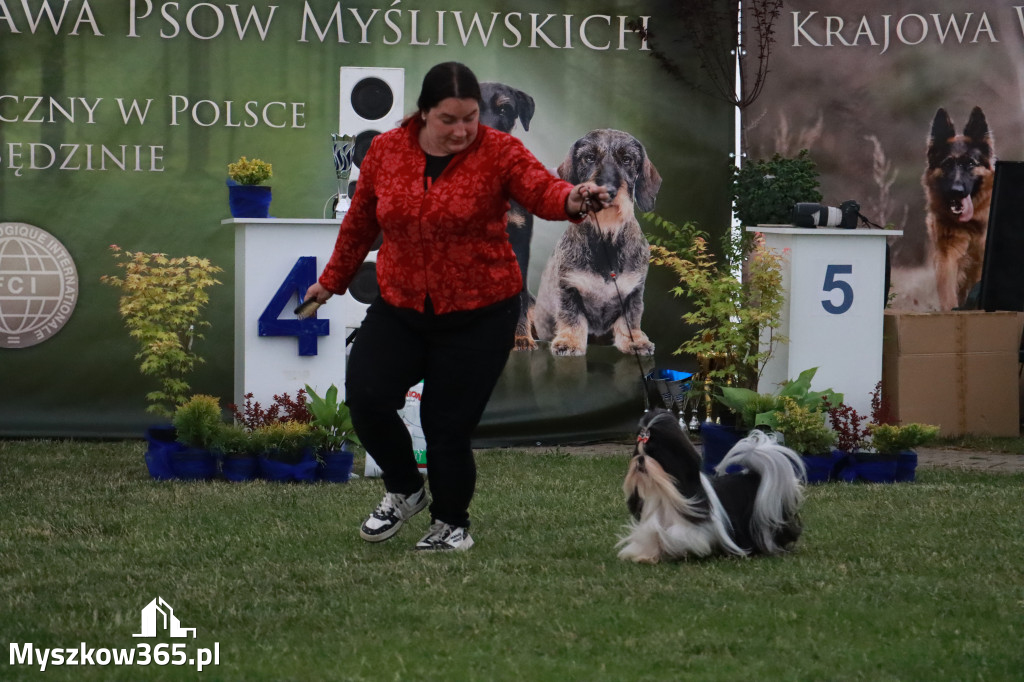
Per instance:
{"type": "Point", "coordinates": [678, 512]}
{"type": "Point", "coordinates": [593, 283]}
{"type": "Point", "coordinates": [958, 188]}
{"type": "Point", "coordinates": [501, 106]}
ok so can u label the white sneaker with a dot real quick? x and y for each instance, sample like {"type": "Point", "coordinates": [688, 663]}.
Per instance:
{"type": "Point", "coordinates": [444, 536]}
{"type": "Point", "coordinates": [391, 513]}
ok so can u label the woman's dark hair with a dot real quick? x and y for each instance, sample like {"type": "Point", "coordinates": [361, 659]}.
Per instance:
{"type": "Point", "coordinates": [450, 79]}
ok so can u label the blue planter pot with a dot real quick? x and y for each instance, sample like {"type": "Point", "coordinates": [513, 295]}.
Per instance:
{"type": "Point", "coordinates": [240, 468]}
{"type": "Point", "coordinates": [303, 471]}
{"type": "Point", "coordinates": [336, 466]}
{"type": "Point", "coordinates": [161, 444]}
{"type": "Point", "coordinates": [193, 464]}
{"type": "Point", "coordinates": [869, 468]}
{"type": "Point", "coordinates": [249, 201]}
{"type": "Point", "coordinates": [716, 441]}
{"type": "Point", "coordinates": [823, 468]}
{"type": "Point", "coordinates": [906, 466]}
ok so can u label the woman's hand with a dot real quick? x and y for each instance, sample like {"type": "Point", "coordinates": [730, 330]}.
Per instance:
{"type": "Point", "coordinates": [587, 197]}
{"type": "Point", "coordinates": [318, 292]}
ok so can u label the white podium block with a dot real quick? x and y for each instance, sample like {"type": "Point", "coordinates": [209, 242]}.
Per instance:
{"type": "Point", "coordinates": [269, 282]}
{"type": "Point", "coordinates": [834, 284]}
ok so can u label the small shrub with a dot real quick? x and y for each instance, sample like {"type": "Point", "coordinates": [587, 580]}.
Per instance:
{"type": "Point", "coordinates": [890, 438]}
{"type": "Point", "coordinates": [246, 172]}
{"type": "Point", "coordinates": [765, 191]}
{"type": "Point", "coordinates": [198, 421]}
{"type": "Point", "coordinates": [804, 429]}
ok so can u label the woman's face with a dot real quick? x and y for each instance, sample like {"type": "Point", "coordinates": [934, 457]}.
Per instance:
{"type": "Point", "coordinates": [450, 127]}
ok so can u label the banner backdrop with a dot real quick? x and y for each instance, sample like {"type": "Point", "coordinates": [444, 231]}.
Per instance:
{"type": "Point", "coordinates": [118, 119]}
{"type": "Point", "coordinates": [866, 87]}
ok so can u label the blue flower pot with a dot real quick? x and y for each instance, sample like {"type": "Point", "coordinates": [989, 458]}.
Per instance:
{"type": "Point", "coordinates": [249, 201]}
{"type": "Point", "coordinates": [906, 466]}
{"type": "Point", "coordinates": [193, 464]}
{"type": "Point", "coordinates": [869, 468]}
{"type": "Point", "coordinates": [239, 468]}
{"type": "Point", "coordinates": [161, 443]}
{"type": "Point", "coordinates": [336, 466]}
{"type": "Point", "coordinates": [823, 468]}
{"type": "Point", "coordinates": [716, 441]}
{"type": "Point", "coordinates": [303, 471]}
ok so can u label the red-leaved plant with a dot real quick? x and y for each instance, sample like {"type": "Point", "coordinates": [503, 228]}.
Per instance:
{"type": "Point", "coordinates": [851, 429]}
{"type": "Point", "coordinates": [284, 409]}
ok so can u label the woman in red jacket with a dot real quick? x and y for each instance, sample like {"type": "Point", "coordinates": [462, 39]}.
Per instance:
{"type": "Point", "coordinates": [438, 188]}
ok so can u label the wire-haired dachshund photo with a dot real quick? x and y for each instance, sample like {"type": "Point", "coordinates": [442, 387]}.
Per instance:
{"type": "Point", "coordinates": [501, 107]}
{"type": "Point", "coordinates": [592, 288]}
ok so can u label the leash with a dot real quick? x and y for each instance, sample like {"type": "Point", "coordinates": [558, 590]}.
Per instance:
{"type": "Point", "coordinates": [622, 303]}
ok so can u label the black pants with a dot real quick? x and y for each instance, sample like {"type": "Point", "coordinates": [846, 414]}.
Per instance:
{"type": "Point", "coordinates": [459, 356]}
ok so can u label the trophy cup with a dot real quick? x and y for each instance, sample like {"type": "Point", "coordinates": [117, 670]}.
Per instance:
{"type": "Point", "coordinates": [344, 146]}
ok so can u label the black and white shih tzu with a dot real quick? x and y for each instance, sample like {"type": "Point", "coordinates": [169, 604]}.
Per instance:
{"type": "Point", "coordinates": [678, 512]}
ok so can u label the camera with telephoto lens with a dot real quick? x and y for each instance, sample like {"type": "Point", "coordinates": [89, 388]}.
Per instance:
{"type": "Point", "coordinates": [819, 215]}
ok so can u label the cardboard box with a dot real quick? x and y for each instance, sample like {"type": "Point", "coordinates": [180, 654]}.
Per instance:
{"type": "Point", "coordinates": [957, 370]}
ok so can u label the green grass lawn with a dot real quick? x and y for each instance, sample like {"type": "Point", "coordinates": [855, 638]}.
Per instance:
{"type": "Point", "coordinates": [921, 581]}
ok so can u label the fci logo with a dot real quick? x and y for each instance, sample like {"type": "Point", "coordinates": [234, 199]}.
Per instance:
{"type": "Point", "coordinates": [38, 285]}
{"type": "Point", "coordinates": [158, 614]}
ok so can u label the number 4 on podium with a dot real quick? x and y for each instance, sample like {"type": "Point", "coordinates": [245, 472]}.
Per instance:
{"type": "Point", "coordinates": [301, 277]}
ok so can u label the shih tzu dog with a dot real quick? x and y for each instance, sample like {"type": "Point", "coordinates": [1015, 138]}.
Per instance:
{"type": "Point", "coordinates": [680, 513]}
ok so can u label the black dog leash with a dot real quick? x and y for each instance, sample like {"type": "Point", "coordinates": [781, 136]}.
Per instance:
{"type": "Point", "coordinates": [622, 303]}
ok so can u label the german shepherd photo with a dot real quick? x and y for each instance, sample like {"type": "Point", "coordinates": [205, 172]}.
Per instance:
{"type": "Point", "coordinates": [958, 189]}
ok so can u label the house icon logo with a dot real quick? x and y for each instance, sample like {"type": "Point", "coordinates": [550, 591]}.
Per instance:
{"type": "Point", "coordinates": [158, 615]}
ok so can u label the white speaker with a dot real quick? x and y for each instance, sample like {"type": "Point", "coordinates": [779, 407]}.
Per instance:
{"type": "Point", "coordinates": [372, 100]}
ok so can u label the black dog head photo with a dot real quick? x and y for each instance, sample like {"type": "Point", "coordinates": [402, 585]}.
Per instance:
{"type": "Point", "coordinates": [503, 105]}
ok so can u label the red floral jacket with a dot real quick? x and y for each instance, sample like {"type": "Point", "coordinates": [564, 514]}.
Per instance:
{"type": "Point", "coordinates": [448, 241]}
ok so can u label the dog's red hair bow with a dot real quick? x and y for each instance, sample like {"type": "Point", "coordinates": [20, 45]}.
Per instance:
{"type": "Point", "coordinates": [643, 438]}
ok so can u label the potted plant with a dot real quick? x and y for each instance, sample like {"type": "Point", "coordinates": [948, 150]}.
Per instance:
{"type": "Point", "coordinates": [333, 433]}
{"type": "Point", "coordinates": [898, 442]}
{"type": "Point", "coordinates": [765, 191]}
{"type": "Point", "coordinates": [239, 452]}
{"type": "Point", "coordinates": [289, 454]}
{"type": "Point", "coordinates": [751, 409]}
{"type": "Point", "coordinates": [248, 197]}
{"type": "Point", "coordinates": [735, 317]}
{"type": "Point", "coordinates": [805, 430]}
{"type": "Point", "coordinates": [196, 423]}
{"type": "Point", "coordinates": [162, 302]}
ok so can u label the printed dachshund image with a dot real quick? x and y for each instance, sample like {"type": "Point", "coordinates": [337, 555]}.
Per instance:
{"type": "Point", "coordinates": [958, 188]}
{"type": "Point", "coordinates": [502, 105]}
{"type": "Point", "coordinates": [593, 284]}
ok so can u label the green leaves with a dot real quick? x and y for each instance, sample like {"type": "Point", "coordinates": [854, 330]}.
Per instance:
{"type": "Point", "coordinates": [246, 172]}
{"type": "Point", "coordinates": [765, 191]}
{"type": "Point", "coordinates": [732, 314]}
{"type": "Point", "coordinates": [331, 417]}
{"type": "Point", "coordinates": [890, 438]}
{"type": "Point", "coordinates": [161, 304]}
